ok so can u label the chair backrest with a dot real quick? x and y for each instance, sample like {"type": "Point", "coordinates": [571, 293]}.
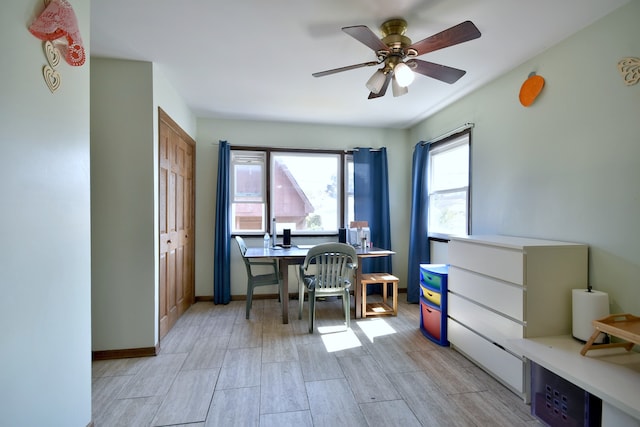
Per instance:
{"type": "Point", "coordinates": [243, 250]}
{"type": "Point", "coordinates": [241, 245]}
{"type": "Point", "coordinates": [334, 264]}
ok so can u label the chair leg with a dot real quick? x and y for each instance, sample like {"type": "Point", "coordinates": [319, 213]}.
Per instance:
{"type": "Point", "coordinates": [346, 302]}
{"type": "Point", "coordinates": [300, 299]}
{"type": "Point", "coordinates": [249, 298]}
{"type": "Point", "coordinates": [301, 289]}
{"type": "Point", "coordinates": [300, 304]}
{"type": "Point", "coordinates": [312, 310]}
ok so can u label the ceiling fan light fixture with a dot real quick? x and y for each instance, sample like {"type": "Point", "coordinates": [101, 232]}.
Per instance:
{"type": "Point", "coordinates": [403, 74]}
{"type": "Point", "coordinates": [397, 89]}
{"type": "Point", "coordinates": [376, 81]}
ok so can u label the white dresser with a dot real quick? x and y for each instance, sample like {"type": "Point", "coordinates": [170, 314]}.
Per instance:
{"type": "Point", "coordinates": [503, 288]}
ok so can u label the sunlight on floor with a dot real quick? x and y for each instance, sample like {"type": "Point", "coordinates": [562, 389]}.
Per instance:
{"type": "Point", "coordinates": [376, 328]}
{"type": "Point", "coordinates": [336, 338]}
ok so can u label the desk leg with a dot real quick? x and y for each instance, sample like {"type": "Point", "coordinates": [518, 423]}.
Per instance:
{"type": "Point", "coordinates": [357, 293]}
{"type": "Point", "coordinates": [284, 267]}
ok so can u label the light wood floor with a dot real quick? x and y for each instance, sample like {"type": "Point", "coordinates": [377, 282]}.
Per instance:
{"type": "Point", "coordinates": [216, 368]}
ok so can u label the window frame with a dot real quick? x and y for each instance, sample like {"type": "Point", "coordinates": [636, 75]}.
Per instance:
{"type": "Point", "coordinates": [344, 156]}
{"type": "Point", "coordinates": [252, 157]}
{"type": "Point", "coordinates": [438, 146]}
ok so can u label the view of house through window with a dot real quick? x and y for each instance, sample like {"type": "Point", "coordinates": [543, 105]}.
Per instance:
{"type": "Point", "coordinates": [449, 187]}
{"type": "Point", "coordinates": [305, 194]}
{"type": "Point", "coordinates": [248, 193]}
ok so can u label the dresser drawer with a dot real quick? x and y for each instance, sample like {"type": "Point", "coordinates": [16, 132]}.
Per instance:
{"type": "Point", "coordinates": [431, 295]}
{"type": "Point", "coordinates": [485, 322]}
{"type": "Point", "coordinates": [431, 320]}
{"type": "Point", "coordinates": [434, 276]}
{"type": "Point", "coordinates": [502, 364]}
{"type": "Point", "coordinates": [500, 296]}
{"type": "Point", "coordinates": [500, 262]}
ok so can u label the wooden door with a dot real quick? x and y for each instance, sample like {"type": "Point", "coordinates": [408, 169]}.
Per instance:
{"type": "Point", "coordinates": [176, 211]}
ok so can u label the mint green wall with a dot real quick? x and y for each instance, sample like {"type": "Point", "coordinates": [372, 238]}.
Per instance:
{"type": "Point", "coordinates": [122, 205]}
{"type": "Point", "coordinates": [125, 96]}
{"type": "Point", "coordinates": [45, 264]}
{"type": "Point", "coordinates": [567, 167]}
{"type": "Point", "coordinates": [290, 135]}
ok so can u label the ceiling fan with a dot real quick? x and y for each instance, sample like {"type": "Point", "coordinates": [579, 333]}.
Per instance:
{"type": "Point", "coordinates": [398, 55]}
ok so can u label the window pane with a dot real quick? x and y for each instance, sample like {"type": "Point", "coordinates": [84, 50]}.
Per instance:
{"type": "Point", "coordinates": [248, 176]}
{"type": "Point", "coordinates": [248, 183]}
{"type": "Point", "coordinates": [450, 168]}
{"type": "Point", "coordinates": [350, 209]}
{"type": "Point", "coordinates": [449, 187]}
{"type": "Point", "coordinates": [305, 192]}
{"type": "Point", "coordinates": [448, 213]}
{"type": "Point", "coordinates": [248, 217]}
{"type": "Point", "coordinates": [248, 202]}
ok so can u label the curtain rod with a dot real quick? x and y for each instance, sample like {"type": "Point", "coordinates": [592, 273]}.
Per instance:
{"type": "Point", "coordinates": [448, 134]}
{"type": "Point", "coordinates": [358, 149]}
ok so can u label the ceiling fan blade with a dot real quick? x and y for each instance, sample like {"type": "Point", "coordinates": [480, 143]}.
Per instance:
{"type": "Point", "coordinates": [347, 68]}
{"type": "Point", "coordinates": [384, 88]}
{"type": "Point", "coordinates": [364, 35]}
{"type": "Point", "coordinates": [460, 33]}
{"type": "Point", "coordinates": [440, 72]}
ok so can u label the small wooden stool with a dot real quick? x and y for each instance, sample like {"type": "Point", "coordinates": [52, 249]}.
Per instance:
{"type": "Point", "coordinates": [379, 308]}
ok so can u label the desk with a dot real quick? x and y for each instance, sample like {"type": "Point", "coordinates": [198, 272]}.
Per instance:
{"type": "Point", "coordinates": [296, 255]}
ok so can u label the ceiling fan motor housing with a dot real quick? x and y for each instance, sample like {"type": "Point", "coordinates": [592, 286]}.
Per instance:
{"type": "Point", "coordinates": [393, 34]}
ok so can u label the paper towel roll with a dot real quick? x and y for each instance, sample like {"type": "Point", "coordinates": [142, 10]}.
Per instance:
{"type": "Point", "coordinates": [587, 307]}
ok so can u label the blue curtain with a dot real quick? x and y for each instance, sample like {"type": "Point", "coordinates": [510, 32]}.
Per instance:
{"type": "Point", "coordinates": [419, 252]}
{"type": "Point", "coordinates": [371, 202]}
{"type": "Point", "coordinates": [222, 244]}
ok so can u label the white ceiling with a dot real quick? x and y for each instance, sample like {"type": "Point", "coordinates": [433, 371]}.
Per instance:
{"type": "Point", "coordinates": [253, 59]}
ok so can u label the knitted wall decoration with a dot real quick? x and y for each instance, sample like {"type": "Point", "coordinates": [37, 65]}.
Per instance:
{"type": "Point", "coordinates": [630, 70]}
{"type": "Point", "coordinates": [57, 26]}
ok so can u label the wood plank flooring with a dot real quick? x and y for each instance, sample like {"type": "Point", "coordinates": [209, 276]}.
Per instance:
{"type": "Point", "coordinates": [215, 368]}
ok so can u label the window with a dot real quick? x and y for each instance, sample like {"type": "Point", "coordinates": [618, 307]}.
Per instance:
{"type": "Point", "coordinates": [449, 186]}
{"type": "Point", "coordinates": [309, 192]}
{"type": "Point", "coordinates": [350, 200]}
{"type": "Point", "coordinates": [248, 195]}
